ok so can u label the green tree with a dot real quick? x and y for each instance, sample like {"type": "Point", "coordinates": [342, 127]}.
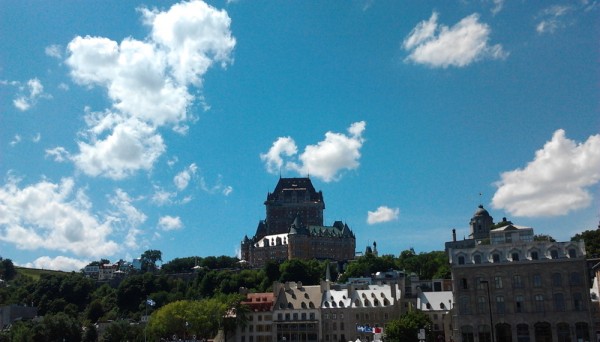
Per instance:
{"type": "Point", "coordinates": [367, 265]}
{"type": "Point", "coordinates": [122, 330]}
{"type": "Point", "coordinates": [7, 269]}
{"type": "Point", "coordinates": [149, 259]}
{"type": "Point", "coordinates": [309, 272]}
{"type": "Point", "coordinates": [591, 238]}
{"type": "Point", "coordinates": [427, 265]}
{"type": "Point", "coordinates": [185, 318]}
{"type": "Point", "coordinates": [543, 237]}
{"type": "Point", "coordinates": [406, 328]}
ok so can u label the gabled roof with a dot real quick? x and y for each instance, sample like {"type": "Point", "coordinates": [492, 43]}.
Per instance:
{"type": "Point", "coordinates": [511, 227]}
{"type": "Point", "coordinates": [434, 301]}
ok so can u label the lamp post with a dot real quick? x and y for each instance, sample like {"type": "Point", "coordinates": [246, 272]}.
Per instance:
{"type": "Point", "coordinates": [487, 284]}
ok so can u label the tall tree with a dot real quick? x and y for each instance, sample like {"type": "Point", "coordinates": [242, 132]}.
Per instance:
{"type": "Point", "coordinates": [149, 259]}
{"type": "Point", "coordinates": [591, 238]}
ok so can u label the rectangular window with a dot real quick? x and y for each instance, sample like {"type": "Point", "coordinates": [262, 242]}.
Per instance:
{"type": "Point", "coordinates": [578, 302]}
{"type": "Point", "coordinates": [498, 282]}
{"type": "Point", "coordinates": [556, 279]}
{"type": "Point", "coordinates": [519, 304]}
{"type": "Point", "coordinates": [559, 302]}
{"type": "Point", "coordinates": [539, 303]}
{"type": "Point", "coordinates": [481, 305]}
{"type": "Point", "coordinates": [500, 308]}
{"type": "Point", "coordinates": [537, 280]}
{"type": "Point", "coordinates": [517, 282]}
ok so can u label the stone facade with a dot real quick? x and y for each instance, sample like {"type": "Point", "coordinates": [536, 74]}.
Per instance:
{"type": "Point", "coordinates": [526, 290]}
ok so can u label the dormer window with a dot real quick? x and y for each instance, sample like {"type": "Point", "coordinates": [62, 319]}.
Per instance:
{"type": "Point", "coordinates": [496, 257]}
{"type": "Point", "coordinates": [572, 253]}
{"type": "Point", "coordinates": [461, 260]}
{"type": "Point", "coordinates": [534, 255]}
{"type": "Point", "coordinates": [554, 254]}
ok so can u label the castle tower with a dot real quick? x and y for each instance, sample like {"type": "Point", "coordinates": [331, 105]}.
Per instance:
{"type": "Point", "coordinates": [481, 224]}
{"type": "Point", "coordinates": [293, 197]}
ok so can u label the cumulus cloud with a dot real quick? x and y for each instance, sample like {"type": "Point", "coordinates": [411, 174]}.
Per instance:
{"type": "Point", "coordinates": [436, 45]}
{"type": "Point", "coordinates": [148, 83]}
{"type": "Point", "coordinates": [325, 160]}
{"type": "Point", "coordinates": [167, 223]}
{"type": "Point", "coordinates": [183, 178]}
{"type": "Point", "coordinates": [382, 214]}
{"type": "Point", "coordinates": [53, 216]}
{"type": "Point", "coordinates": [282, 146]}
{"type": "Point", "coordinates": [131, 145]}
{"type": "Point", "coordinates": [30, 94]}
{"type": "Point", "coordinates": [59, 263]}
{"type": "Point", "coordinates": [555, 182]}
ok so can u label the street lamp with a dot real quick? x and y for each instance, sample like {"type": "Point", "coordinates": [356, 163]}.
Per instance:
{"type": "Point", "coordinates": [487, 284]}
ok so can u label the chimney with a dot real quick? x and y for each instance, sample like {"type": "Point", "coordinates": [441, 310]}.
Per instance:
{"type": "Point", "coordinates": [454, 235]}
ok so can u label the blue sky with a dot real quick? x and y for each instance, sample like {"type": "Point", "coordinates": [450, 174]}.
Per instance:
{"type": "Point", "coordinates": [127, 126]}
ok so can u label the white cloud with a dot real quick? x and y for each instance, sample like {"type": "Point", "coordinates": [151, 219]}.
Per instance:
{"type": "Point", "coordinates": [54, 217]}
{"type": "Point", "coordinates": [54, 50]}
{"type": "Point", "coordinates": [272, 159]}
{"type": "Point", "coordinates": [555, 182]}
{"type": "Point", "coordinates": [382, 214]}
{"type": "Point", "coordinates": [59, 154]}
{"type": "Point", "coordinates": [498, 4]}
{"type": "Point", "coordinates": [16, 140]}
{"type": "Point", "coordinates": [437, 45]}
{"type": "Point", "coordinates": [37, 137]}
{"type": "Point", "coordinates": [227, 190]}
{"type": "Point", "coordinates": [183, 178]}
{"type": "Point", "coordinates": [167, 223]}
{"type": "Point", "coordinates": [147, 82]}
{"type": "Point", "coordinates": [59, 263]}
{"type": "Point", "coordinates": [328, 158]}
{"type": "Point", "coordinates": [30, 95]}
{"type": "Point", "coordinates": [131, 146]}
{"type": "Point", "coordinates": [553, 18]}
{"type": "Point", "coordinates": [162, 197]}
{"type": "Point", "coordinates": [325, 160]}
{"type": "Point", "coordinates": [126, 217]}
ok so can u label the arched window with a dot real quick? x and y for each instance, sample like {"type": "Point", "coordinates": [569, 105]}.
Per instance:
{"type": "Point", "coordinates": [484, 333]}
{"type": "Point", "coordinates": [534, 255]}
{"type": "Point", "coordinates": [572, 253]}
{"type": "Point", "coordinates": [461, 260]}
{"type": "Point", "coordinates": [503, 332]}
{"type": "Point", "coordinates": [563, 332]}
{"type": "Point", "coordinates": [582, 331]}
{"type": "Point", "coordinates": [554, 254]}
{"type": "Point", "coordinates": [543, 332]}
{"type": "Point", "coordinates": [522, 332]}
{"type": "Point", "coordinates": [477, 258]}
{"type": "Point", "coordinates": [467, 333]}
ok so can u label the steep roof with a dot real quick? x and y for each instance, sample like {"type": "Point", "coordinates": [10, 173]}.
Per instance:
{"type": "Point", "coordinates": [299, 186]}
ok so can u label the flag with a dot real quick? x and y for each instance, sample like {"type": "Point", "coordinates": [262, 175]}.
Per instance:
{"type": "Point", "coordinates": [150, 302]}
